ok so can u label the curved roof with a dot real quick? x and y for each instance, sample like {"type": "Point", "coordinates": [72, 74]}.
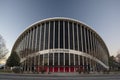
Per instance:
{"type": "Point", "coordinates": [57, 18]}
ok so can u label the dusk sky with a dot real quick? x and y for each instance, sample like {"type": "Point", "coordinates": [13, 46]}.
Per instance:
{"type": "Point", "coordinates": [103, 16]}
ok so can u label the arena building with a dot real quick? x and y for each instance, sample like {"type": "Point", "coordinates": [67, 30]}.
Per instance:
{"type": "Point", "coordinates": [61, 45]}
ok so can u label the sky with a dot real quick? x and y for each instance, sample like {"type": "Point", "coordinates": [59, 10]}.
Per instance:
{"type": "Point", "coordinates": [103, 16]}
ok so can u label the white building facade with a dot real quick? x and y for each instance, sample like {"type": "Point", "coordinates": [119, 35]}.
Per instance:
{"type": "Point", "coordinates": [61, 45]}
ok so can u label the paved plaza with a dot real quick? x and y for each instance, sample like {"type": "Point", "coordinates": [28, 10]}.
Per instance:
{"type": "Point", "coordinates": [59, 77]}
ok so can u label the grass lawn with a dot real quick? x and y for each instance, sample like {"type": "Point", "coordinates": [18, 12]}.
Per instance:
{"type": "Point", "coordinates": [5, 71]}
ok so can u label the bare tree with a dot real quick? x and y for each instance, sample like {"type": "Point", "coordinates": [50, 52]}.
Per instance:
{"type": "Point", "coordinates": [3, 49]}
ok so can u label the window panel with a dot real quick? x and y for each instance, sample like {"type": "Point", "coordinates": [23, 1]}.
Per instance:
{"type": "Point", "coordinates": [51, 34]}
{"type": "Point", "coordinates": [45, 59]}
{"type": "Point", "coordinates": [90, 40]}
{"type": "Point", "coordinates": [56, 59]}
{"type": "Point", "coordinates": [66, 35]}
{"type": "Point", "coordinates": [56, 34]}
{"type": "Point", "coordinates": [41, 59]}
{"type": "Point", "coordinates": [76, 59]}
{"type": "Point", "coordinates": [71, 59]}
{"type": "Point", "coordinates": [34, 39]}
{"type": "Point", "coordinates": [50, 59]}
{"type": "Point", "coordinates": [38, 38]}
{"type": "Point", "coordinates": [46, 35]}
{"type": "Point", "coordinates": [81, 61]}
{"type": "Point", "coordinates": [30, 42]}
{"type": "Point", "coordinates": [79, 33]}
{"type": "Point", "coordinates": [42, 37]}
{"type": "Point", "coordinates": [83, 39]}
{"type": "Point", "coordinates": [71, 35]}
{"type": "Point", "coordinates": [66, 59]}
{"type": "Point", "coordinates": [75, 37]}
{"type": "Point", "coordinates": [61, 34]}
{"type": "Point", "coordinates": [61, 59]}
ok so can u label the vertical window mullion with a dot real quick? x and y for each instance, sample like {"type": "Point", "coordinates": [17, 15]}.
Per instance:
{"type": "Point", "coordinates": [36, 39]}
{"type": "Point", "coordinates": [64, 40]}
{"type": "Point", "coordinates": [78, 44]}
{"type": "Point", "coordinates": [85, 39]}
{"type": "Point", "coordinates": [58, 34]}
{"type": "Point", "coordinates": [40, 38]}
{"type": "Point", "coordinates": [82, 44]}
{"type": "Point", "coordinates": [27, 43]}
{"type": "Point", "coordinates": [77, 38]}
{"type": "Point", "coordinates": [30, 41]}
{"type": "Point", "coordinates": [48, 43]}
{"type": "Point", "coordinates": [58, 42]}
{"type": "Point", "coordinates": [33, 39]}
{"type": "Point", "coordinates": [73, 42]}
{"type": "Point", "coordinates": [69, 41]}
{"type": "Point", "coordinates": [73, 36]}
{"type": "Point", "coordinates": [81, 38]}
{"type": "Point", "coordinates": [53, 40]}
{"type": "Point", "coordinates": [44, 36]}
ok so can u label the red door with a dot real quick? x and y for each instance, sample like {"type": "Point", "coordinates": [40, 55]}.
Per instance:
{"type": "Point", "coordinates": [55, 69]}
{"type": "Point", "coordinates": [46, 68]}
{"type": "Point", "coordinates": [66, 69]}
{"type": "Point", "coordinates": [61, 69]}
{"type": "Point", "coordinates": [71, 69]}
{"type": "Point", "coordinates": [51, 69]}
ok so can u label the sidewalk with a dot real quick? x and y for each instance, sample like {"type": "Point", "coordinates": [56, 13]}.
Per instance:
{"type": "Point", "coordinates": [58, 75]}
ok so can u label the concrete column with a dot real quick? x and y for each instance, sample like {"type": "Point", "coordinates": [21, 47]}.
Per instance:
{"type": "Point", "coordinates": [40, 37]}
{"type": "Point", "coordinates": [85, 40]}
{"type": "Point", "coordinates": [81, 37]}
{"type": "Point", "coordinates": [58, 45]}
{"type": "Point", "coordinates": [64, 43]}
{"type": "Point", "coordinates": [82, 46]}
{"type": "Point", "coordinates": [44, 36]}
{"type": "Point", "coordinates": [32, 48]}
{"type": "Point", "coordinates": [78, 45]}
{"type": "Point", "coordinates": [48, 45]}
{"type": "Point", "coordinates": [36, 40]}
{"type": "Point", "coordinates": [69, 44]}
{"type": "Point", "coordinates": [27, 43]}
{"type": "Point", "coordinates": [53, 42]}
{"type": "Point", "coordinates": [73, 44]}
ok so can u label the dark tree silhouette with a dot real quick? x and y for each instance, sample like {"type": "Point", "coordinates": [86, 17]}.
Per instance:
{"type": "Point", "coordinates": [118, 57]}
{"type": "Point", "coordinates": [13, 60]}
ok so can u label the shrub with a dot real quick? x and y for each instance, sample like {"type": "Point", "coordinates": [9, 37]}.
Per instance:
{"type": "Point", "coordinates": [16, 69]}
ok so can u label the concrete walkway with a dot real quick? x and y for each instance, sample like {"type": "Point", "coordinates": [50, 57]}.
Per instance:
{"type": "Point", "coordinates": [60, 74]}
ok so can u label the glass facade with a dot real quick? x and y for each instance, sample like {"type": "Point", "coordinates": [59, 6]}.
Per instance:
{"type": "Point", "coordinates": [61, 45]}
